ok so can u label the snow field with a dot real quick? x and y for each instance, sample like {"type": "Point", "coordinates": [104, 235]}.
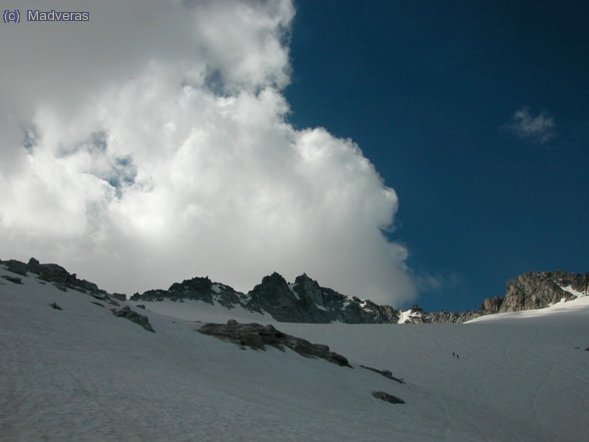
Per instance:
{"type": "Point", "coordinates": [82, 374]}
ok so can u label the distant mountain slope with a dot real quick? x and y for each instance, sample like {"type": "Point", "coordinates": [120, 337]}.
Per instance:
{"type": "Point", "coordinates": [573, 312]}
{"type": "Point", "coordinates": [302, 301]}
{"type": "Point", "coordinates": [308, 302]}
{"type": "Point", "coordinates": [534, 290]}
{"type": "Point", "coordinates": [59, 277]}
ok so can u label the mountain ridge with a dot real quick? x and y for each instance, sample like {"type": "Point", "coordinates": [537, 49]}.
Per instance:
{"type": "Point", "coordinates": [305, 301]}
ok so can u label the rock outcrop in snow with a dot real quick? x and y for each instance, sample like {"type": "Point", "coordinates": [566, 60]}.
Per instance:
{"type": "Point", "coordinates": [387, 397]}
{"type": "Point", "coordinates": [132, 316]}
{"type": "Point", "coordinates": [386, 373]}
{"type": "Point", "coordinates": [60, 278]}
{"type": "Point", "coordinates": [257, 336]}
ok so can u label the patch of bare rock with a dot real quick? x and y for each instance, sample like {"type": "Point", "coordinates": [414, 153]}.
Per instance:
{"type": "Point", "coordinates": [257, 336]}
{"type": "Point", "coordinates": [387, 397]}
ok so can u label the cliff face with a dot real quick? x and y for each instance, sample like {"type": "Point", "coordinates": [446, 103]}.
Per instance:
{"type": "Point", "coordinates": [307, 301]}
{"type": "Point", "coordinates": [534, 290]}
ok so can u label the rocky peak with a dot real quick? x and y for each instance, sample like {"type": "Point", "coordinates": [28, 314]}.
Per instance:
{"type": "Point", "coordinates": [195, 288]}
{"type": "Point", "coordinates": [306, 301]}
{"type": "Point", "coordinates": [308, 288]}
{"type": "Point", "coordinates": [578, 282]}
{"type": "Point", "coordinates": [534, 290]}
{"type": "Point", "coordinates": [199, 289]}
{"type": "Point", "coordinates": [272, 284]}
{"type": "Point", "coordinates": [275, 296]}
{"type": "Point", "coordinates": [305, 281]}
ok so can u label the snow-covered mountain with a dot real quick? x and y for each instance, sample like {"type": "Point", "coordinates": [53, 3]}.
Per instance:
{"type": "Point", "coordinates": [78, 364]}
{"type": "Point", "coordinates": [302, 301]}
{"type": "Point", "coordinates": [529, 291]}
{"type": "Point", "coordinates": [306, 301]}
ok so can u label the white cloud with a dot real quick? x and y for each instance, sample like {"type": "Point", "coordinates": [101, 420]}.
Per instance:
{"type": "Point", "coordinates": [539, 128]}
{"type": "Point", "coordinates": [172, 156]}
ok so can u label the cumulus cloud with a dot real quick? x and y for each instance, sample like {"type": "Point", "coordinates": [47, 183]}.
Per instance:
{"type": "Point", "coordinates": [539, 128]}
{"type": "Point", "coordinates": [152, 144]}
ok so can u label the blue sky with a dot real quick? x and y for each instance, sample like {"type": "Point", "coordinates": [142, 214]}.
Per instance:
{"type": "Point", "coordinates": [475, 113]}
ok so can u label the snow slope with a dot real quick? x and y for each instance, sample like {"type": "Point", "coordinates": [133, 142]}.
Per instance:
{"type": "Point", "coordinates": [573, 313]}
{"type": "Point", "coordinates": [198, 311]}
{"type": "Point", "coordinates": [82, 374]}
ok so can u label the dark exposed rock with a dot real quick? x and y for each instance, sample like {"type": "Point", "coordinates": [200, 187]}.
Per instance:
{"type": "Point", "coordinates": [150, 295]}
{"type": "Point", "coordinates": [98, 304]}
{"type": "Point", "coordinates": [387, 397]}
{"type": "Point", "coordinates": [199, 289]}
{"type": "Point", "coordinates": [103, 296]}
{"type": "Point", "coordinates": [443, 317]}
{"type": "Point", "coordinates": [119, 296]}
{"type": "Point", "coordinates": [195, 288]}
{"type": "Point", "coordinates": [53, 305]}
{"type": "Point", "coordinates": [302, 301]}
{"type": "Point", "coordinates": [386, 373]}
{"type": "Point", "coordinates": [274, 296]}
{"type": "Point", "coordinates": [54, 274]}
{"type": "Point", "coordinates": [257, 336]}
{"type": "Point", "coordinates": [132, 316]}
{"type": "Point", "coordinates": [12, 279]}
{"type": "Point", "coordinates": [141, 306]}
{"type": "Point", "coordinates": [534, 290]}
{"type": "Point", "coordinates": [419, 316]}
{"type": "Point", "coordinates": [14, 266]}
{"type": "Point", "coordinates": [307, 301]}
